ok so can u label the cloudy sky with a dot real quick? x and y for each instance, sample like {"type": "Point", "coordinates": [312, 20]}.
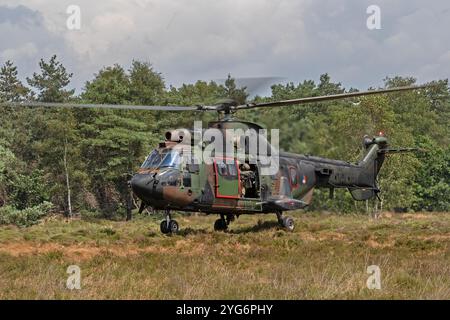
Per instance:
{"type": "Point", "coordinates": [188, 40]}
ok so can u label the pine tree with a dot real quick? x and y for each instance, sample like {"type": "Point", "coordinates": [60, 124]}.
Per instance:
{"type": "Point", "coordinates": [54, 128]}
{"type": "Point", "coordinates": [11, 89]}
{"type": "Point", "coordinates": [146, 85]}
{"type": "Point", "coordinates": [233, 92]}
{"type": "Point", "coordinates": [51, 81]}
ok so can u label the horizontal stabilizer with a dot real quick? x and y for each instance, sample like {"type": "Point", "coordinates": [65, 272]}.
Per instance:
{"type": "Point", "coordinates": [399, 150]}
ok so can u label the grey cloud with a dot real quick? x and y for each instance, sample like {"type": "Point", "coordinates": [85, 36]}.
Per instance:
{"type": "Point", "coordinates": [197, 39]}
{"type": "Point", "coordinates": [25, 39]}
{"type": "Point", "coordinates": [20, 15]}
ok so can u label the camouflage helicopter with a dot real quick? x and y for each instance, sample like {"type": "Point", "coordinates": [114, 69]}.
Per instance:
{"type": "Point", "coordinates": [237, 186]}
{"type": "Point", "coordinates": [231, 185]}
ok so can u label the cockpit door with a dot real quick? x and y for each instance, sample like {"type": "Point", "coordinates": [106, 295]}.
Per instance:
{"type": "Point", "coordinates": [227, 179]}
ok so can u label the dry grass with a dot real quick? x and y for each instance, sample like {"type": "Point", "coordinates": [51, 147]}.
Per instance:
{"type": "Point", "coordinates": [325, 258]}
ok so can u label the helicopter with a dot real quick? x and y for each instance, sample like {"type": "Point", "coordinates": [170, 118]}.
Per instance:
{"type": "Point", "coordinates": [174, 178]}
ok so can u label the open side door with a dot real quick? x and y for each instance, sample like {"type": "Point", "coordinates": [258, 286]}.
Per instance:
{"type": "Point", "coordinates": [227, 178]}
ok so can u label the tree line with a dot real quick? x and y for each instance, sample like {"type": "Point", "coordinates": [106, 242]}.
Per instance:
{"type": "Point", "coordinates": [79, 160]}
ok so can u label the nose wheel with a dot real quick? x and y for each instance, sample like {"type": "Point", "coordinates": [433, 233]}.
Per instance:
{"type": "Point", "coordinates": [168, 225]}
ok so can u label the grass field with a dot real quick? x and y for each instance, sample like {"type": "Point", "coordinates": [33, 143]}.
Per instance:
{"type": "Point", "coordinates": [326, 257]}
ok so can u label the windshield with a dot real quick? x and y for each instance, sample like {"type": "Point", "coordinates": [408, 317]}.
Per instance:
{"type": "Point", "coordinates": [171, 160]}
{"type": "Point", "coordinates": [152, 161]}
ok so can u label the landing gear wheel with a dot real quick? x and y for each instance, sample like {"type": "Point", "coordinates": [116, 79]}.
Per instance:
{"type": "Point", "coordinates": [280, 218]}
{"type": "Point", "coordinates": [220, 225]}
{"type": "Point", "coordinates": [288, 223]}
{"type": "Point", "coordinates": [280, 222]}
{"type": "Point", "coordinates": [163, 227]}
{"type": "Point", "coordinates": [173, 226]}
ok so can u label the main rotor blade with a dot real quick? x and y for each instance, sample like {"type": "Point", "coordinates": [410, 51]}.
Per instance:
{"type": "Point", "coordinates": [325, 98]}
{"type": "Point", "coordinates": [214, 107]}
{"type": "Point", "coordinates": [107, 106]}
{"type": "Point", "coordinates": [254, 85]}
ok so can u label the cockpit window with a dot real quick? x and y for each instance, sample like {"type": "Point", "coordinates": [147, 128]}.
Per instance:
{"type": "Point", "coordinates": [152, 161]}
{"type": "Point", "coordinates": [171, 160]}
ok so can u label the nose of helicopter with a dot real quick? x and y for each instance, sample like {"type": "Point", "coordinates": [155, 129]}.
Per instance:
{"type": "Point", "coordinates": [142, 185]}
{"type": "Point", "coordinates": [158, 189]}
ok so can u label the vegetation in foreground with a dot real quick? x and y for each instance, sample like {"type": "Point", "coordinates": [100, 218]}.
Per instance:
{"type": "Point", "coordinates": [326, 257]}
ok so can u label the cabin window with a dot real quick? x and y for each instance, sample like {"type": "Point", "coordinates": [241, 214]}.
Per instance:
{"type": "Point", "coordinates": [222, 169]}
{"type": "Point", "coordinates": [171, 160]}
{"type": "Point", "coordinates": [293, 176]}
{"type": "Point", "coordinates": [187, 179]}
{"type": "Point", "coordinates": [152, 161]}
{"type": "Point", "coordinates": [193, 164]}
{"type": "Point", "coordinates": [227, 169]}
{"type": "Point", "coordinates": [232, 170]}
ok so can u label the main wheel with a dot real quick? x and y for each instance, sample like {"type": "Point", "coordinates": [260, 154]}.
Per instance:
{"type": "Point", "coordinates": [173, 226]}
{"type": "Point", "coordinates": [288, 223]}
{"type": "Point", "coordinates": [220, 225]}
{"type": "Point", "coordinates": [163, 227]}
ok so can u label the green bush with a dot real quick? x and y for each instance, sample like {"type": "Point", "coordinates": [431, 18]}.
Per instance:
{"type": "Point", "coordinates": [25, 217]}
